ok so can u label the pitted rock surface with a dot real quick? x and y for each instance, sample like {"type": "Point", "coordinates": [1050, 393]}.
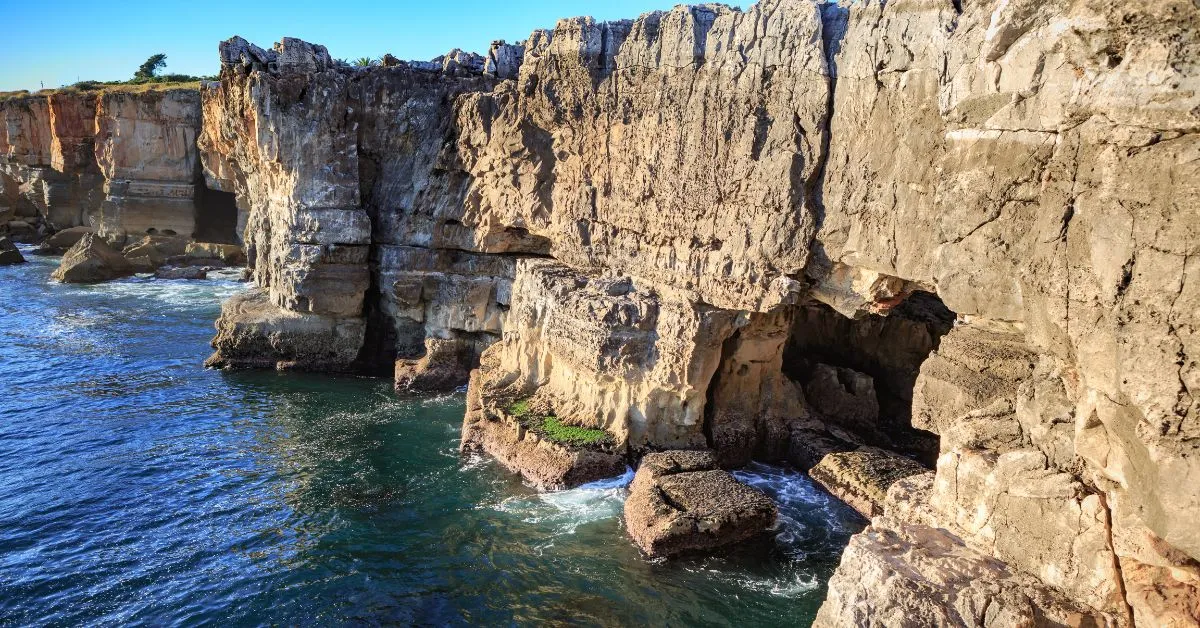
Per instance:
{"type": "Point", "coordinates": [678, 502]}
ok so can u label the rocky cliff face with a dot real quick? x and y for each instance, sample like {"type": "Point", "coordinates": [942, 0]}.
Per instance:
{"type": "Point", "coordinates": [961, 231]}
{"type": "Point", "coordinates": [123, 162]}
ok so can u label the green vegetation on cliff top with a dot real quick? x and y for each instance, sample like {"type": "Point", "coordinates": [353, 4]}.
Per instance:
{"type": "Point", "coordinates": [145, 79]}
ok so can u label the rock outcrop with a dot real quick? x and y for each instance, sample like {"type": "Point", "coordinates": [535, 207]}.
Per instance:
{"type": "Point", "coordinates": [9, 253]}
{"type": "Point", "coordinates": [146, 150]}
{"type": "Point", "coordinates": [964, 232]}
{"type": "Point", "coordinates": [862, 477]}
{"type": "Point", "coordinates": [494, 425]}
{"type": "Point", "coordinates": [92, 260]}
{"type": "Point", "coordinates": [62, 241]}
{"type": "Point", "coordinates": [680, 502]}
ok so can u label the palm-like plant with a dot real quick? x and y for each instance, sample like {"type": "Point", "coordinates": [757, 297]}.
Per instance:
{"type": "Point", "coordinates": [365, 62]}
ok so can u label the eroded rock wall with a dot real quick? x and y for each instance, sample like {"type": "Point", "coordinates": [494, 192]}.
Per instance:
{"type": "Point", "coordinates": [146, 150]}
{"type": "Point", "coordinates": [1025, 160]}
{"type": "Point", "coordinates": [123, 162]}
{"type": "Point", "coordinates": [701, 179]}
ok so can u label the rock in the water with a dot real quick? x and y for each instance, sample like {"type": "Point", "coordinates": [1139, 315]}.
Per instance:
{"type": "Point", "coordinates": [158, 246]}
{"type": "Point", "coordinates": [21, 231]}
{"type": "Point", "coordinates": [186, 272]}
{"type": "Point", "coordinates": [861, 478]}
{"type": "Point", "coordinates": [228, 254]}
{"type": "Point", "coordinates": [9, 254]}
{"type": "Point", "coordinates": [62, 241]}
{"type": "Point", "coordinates": [679, 502]}
{"type": "Point", "coordinates": [152, 252]}
{"type": "Point", "coordinates": [252, 332]}
{"type": "Point", "coordinates": [92, 260]}
{"type": "Point", "coordinates": [446, 365]}
{"type": "Point", "coordinates": [544, 463]}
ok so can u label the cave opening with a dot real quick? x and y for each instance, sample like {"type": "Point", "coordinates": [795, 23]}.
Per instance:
{"type": "Point", "coordinates": [216, 216]}
{"type": "Point", "coordinates": [804, 381]}
{"type": "Point", "coordinates": [858, 374]}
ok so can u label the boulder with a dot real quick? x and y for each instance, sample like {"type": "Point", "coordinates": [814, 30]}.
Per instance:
{"type": "Point", "coordinates": [446, 365]}
{"type": "Point", "coordinates": [9, 254]}
{"type": "Point", "coordinates": [152, 252]}
{"type": "Point", "coordinates": [808, 445]}
{"type": "Point", "coordinates": [228, 254]}
{"type": "Point", "coordinates": [680, 502]}
{"type": "Point", "coordinates": [22, 231]}
{"type": "Point", "coordinates": [92, 260]}
{"type": "Point", "coordinates": [845, 396]}
{"type": "Point", "coordinates": [143, 264]}
{"type": "Point", "coordinates": [62, 241]}
{"type": "Point", "coordinates": [252, 332]}
{"type": "Point", "coordinates": [162, 246]}
{"type": "Point", "coordinates": [186, 272]}
{"type": "Point", "coordinates": [861, 478]}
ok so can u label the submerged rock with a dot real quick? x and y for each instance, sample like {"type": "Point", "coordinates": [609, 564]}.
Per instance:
{"type": "Point", "coordinates": [9, 253]}
{"type": "Point", "coordinates": [679, 502]}
{"type": "Point", "coordinates": [92, 260]}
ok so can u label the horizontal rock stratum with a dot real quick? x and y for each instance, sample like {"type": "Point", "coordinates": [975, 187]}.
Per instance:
{"type": "Point", "coordinates": [120, 161]}
{"type": "Point", "coordinates": [967, 232]}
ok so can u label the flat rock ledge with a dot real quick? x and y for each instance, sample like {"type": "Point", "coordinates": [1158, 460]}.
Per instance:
{"type": "Point", "coordinates": [681, 502]}
{"type": "Point", "coordinates": [861, 478]}
{"type": "Point", "coordinates": [253, 332]}
{"type": "Point", "coordinates": [545, 464]}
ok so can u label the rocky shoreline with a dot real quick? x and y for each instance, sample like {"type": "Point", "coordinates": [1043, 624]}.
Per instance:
{"type": "Point", "coordinates": [944, 256]}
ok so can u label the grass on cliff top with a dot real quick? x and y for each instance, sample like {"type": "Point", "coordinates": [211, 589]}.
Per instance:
{"type": "Point", "coordinates": [552, 428]}
{"type": "Point", "coordinates": [21, 93]}
{"type": "Point", "coordinates": [111, 86]}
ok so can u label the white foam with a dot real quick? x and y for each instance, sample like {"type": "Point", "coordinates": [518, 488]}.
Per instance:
{"type": "Point", "coordinates": [564, 511]}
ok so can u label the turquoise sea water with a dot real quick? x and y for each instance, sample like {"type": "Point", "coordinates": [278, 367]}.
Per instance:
{"type": "Point", "coordinates": [138, 488]}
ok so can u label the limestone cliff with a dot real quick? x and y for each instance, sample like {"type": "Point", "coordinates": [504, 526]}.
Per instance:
{"type": "Point", "coordinates": [961, 231]}
{"type": "Point", "coordinates": [121, 161]}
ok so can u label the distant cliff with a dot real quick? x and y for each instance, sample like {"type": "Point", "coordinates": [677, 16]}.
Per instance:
{"type": "Point", "coordinates": [122, 160]}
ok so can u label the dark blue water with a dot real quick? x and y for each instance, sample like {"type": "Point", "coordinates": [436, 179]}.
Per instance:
{"type": "Point", "coordinates": [138, 488]}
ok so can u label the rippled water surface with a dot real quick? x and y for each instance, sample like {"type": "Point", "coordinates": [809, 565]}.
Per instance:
{"type": "Point", "coordinates": [137, 487]}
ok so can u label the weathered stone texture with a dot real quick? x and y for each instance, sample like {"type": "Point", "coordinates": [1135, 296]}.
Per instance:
{"type": "Point", "coordinates": [680, 502]}
{"type": "Point", "coordinates": [118, 160]}
{"type": "Point", "coordinates": [699, 178]}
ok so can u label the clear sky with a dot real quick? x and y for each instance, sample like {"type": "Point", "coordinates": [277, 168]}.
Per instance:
{"type": "Point", "coordinates": [59, 42]}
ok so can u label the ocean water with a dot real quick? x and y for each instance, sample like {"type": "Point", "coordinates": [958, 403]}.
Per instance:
{"type": "Point", "coordinates": [137, 487]}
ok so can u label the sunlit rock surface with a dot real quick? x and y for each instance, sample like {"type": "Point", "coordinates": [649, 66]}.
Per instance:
{"type": "Point", "coordinates": [964, 232]}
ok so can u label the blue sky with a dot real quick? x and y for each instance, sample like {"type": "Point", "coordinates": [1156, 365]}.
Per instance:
{"type": "Point", "coordinates": [62, 41]}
